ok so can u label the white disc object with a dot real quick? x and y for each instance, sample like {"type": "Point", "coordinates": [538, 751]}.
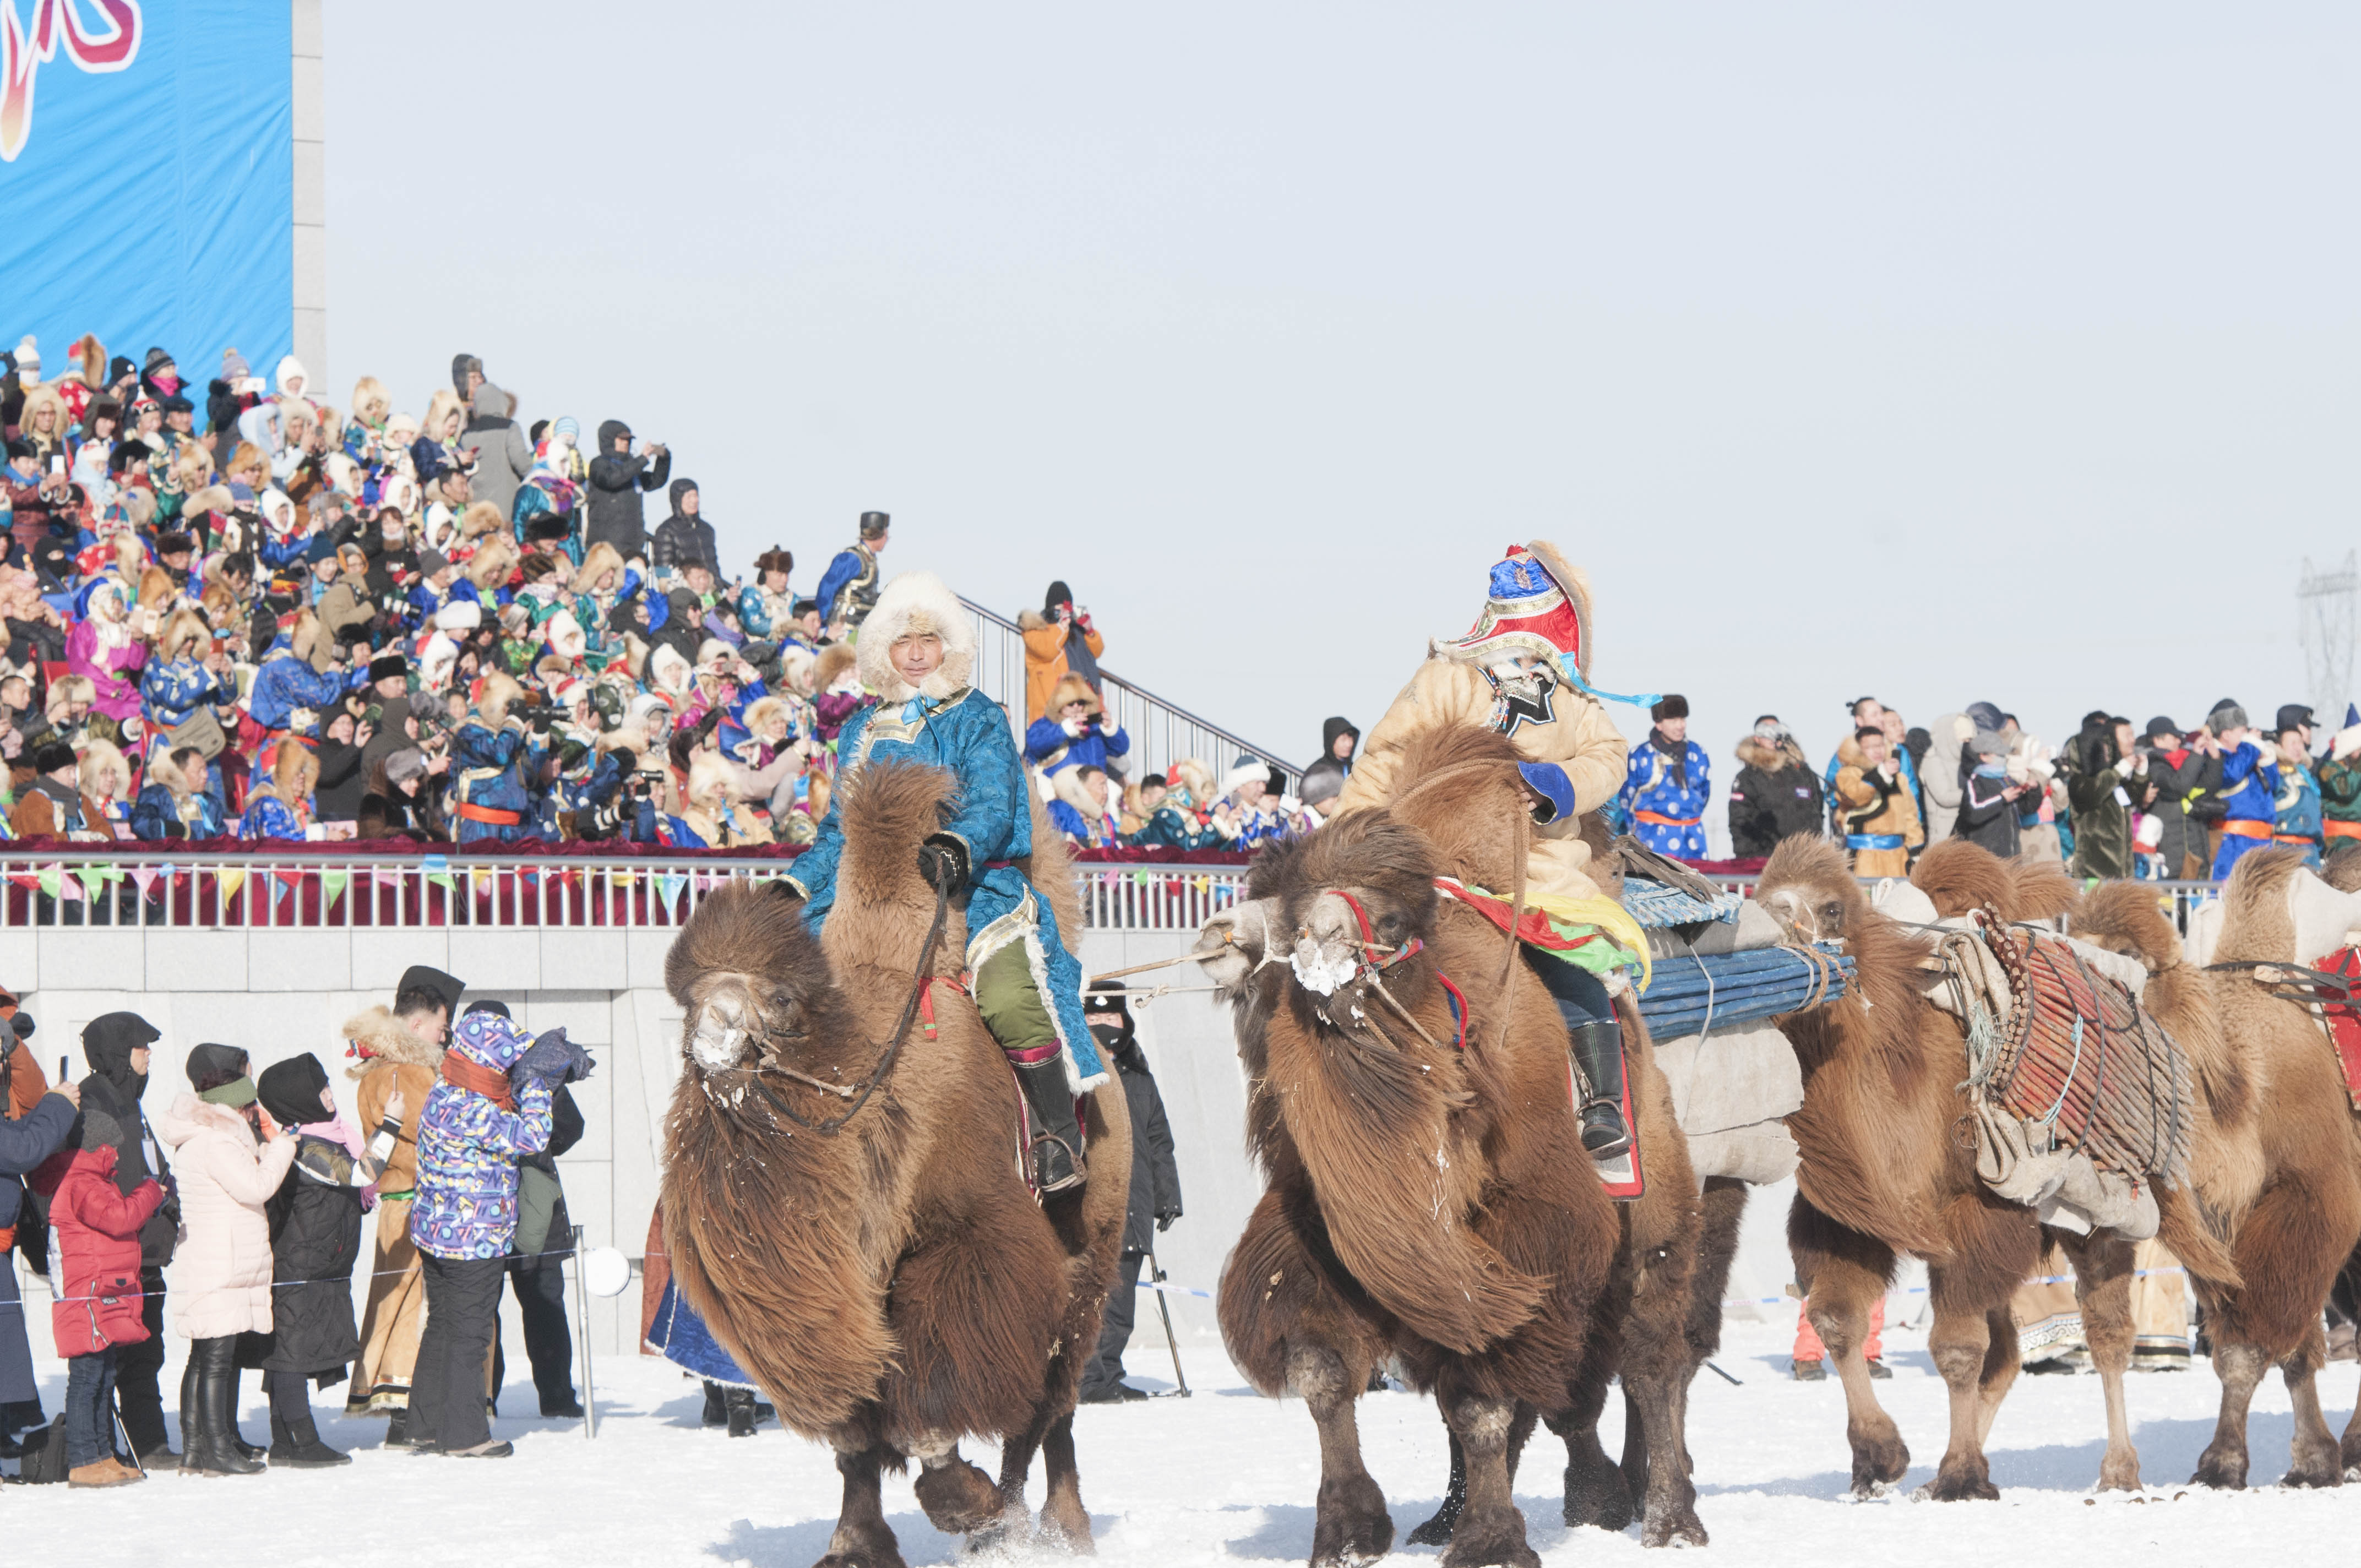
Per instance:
{"type": "Point", "coordinates": [605, 1271]}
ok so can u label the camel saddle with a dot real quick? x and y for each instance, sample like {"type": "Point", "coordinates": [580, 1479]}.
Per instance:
{"type": "Point", "coordinates": [2340, 1007]}
{"type": "Point", "coordinates": [2081, 1100]}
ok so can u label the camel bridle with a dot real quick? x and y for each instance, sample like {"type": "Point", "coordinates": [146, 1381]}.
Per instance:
{"type": "Point", "coordinates": [921, 983]}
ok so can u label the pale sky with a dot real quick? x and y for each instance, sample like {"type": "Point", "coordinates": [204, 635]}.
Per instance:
{"type": "Point", "coordinates": [1942, 354]}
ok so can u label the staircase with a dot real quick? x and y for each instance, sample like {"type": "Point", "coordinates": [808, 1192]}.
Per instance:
{"type": "Point", "coordinates": [1162, 732]}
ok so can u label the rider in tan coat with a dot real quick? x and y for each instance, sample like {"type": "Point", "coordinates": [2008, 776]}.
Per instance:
{"type": "Point", "coordinates": [1524, 670]}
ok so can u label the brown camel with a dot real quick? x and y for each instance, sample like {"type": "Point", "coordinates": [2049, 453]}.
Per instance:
{"type": "Point", "coordinates": [2276, 1167]}
{"type": "Point", "coordinates": [1884, 1171]}
{"type": "Point", "coordinates": [1431, 1203]}
{"type": "Point", "coordinates": [892, 1286]}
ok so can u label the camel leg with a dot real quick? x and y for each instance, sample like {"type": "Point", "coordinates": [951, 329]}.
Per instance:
{"type": "Point", "coordinates": [957, 1498]}
{"type": "Point", "coordinates": [1597, 1491]}
{"type": "Point", "coordinates": [1635, 1444]}
{"type": "Point", "coordinates": [1013, 1523]}
{"type": "Point", "coordinates": [1353, 1527]}
{"type": "Point", "coordinates": [2002, 1363]}
{"type": "Point", "coordinates": [2240, 1367]}
{"type": "Point", "coordinates": [1064, 1520]}
{"type": "Point", "coordinates": [863, 1538]}
{"type": "Point", "coordinates": [1962, 1346]}
{"type": "Point", "coordinates": [1491, 1531]}
{"type": "Point", "coordinates": [2103, 1286]}
{"type": "Point", "coordinates": [2316, 1459]}
{"type": "Point", "coordinates": [1436, 1531]}
{"type": "Point", "coordinates": [1843, 1274]}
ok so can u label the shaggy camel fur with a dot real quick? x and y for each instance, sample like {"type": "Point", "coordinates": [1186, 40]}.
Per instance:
{"type": "Point", "coordinates": [1884, 1171]}
{"type": "Point", "coordinates": [2276, 1167]}
{"type": "Point", "coordinates": [1474, 1243]}
{"type": "Point", "coordinates": [891, 1286]}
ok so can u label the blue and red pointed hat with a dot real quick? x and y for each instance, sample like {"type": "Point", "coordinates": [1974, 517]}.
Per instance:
{"type": "Point", "coordinates": [1537, 605]}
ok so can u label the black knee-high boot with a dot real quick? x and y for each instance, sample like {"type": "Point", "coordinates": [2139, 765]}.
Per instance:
{"type": "Point", "coordinates": [210, 1449]}
{"type": "Point", "coordinates": [1057, 1131]}
{"type": "Point", "coordinates": [1598, 1048]}
{"type": "Point", "coordinates": [294, 1434]}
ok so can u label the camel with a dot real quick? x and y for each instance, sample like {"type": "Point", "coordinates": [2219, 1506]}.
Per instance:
{"type": "Point", "coordinates": [1884, 1172]}
{"type": "Point", "coordinates": [1430, 1202]}
{"type": "Point", "coordinates": [843, 1197]}
{"type": "Point", "coordinates": [2277, 1166]}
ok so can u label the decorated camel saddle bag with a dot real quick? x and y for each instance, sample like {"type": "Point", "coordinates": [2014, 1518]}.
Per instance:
{"type": "Point", "coordinates": [2341, 1006]}
{"type": "Point", "coordinates": [2079, 1101]}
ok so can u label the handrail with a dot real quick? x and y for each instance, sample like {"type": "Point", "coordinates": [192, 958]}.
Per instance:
{"type": "Point", "coordinates": [1162, 731]}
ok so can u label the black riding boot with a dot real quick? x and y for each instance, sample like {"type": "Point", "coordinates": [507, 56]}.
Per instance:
{"type": "Point", "coordinates": [717, 1404]}
{"type": "Point", "coordinates": [746, 1412]}
{"type": "Point", "coordinates": [211, 1448]}
{"type": "Point", "coordinates": [1598, 1048]}
{"type": "Point", "coordinates": [237, 1438]}
{"type": "Point", "coordinates": [1056, 1131]}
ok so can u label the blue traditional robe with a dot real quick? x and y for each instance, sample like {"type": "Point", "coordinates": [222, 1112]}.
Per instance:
{"type": "Point", "coordinates": [992, 817]}
{"type": "Point", "coordinates": [1649, 786]}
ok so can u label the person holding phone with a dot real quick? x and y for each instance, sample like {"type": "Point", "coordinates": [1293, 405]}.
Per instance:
{"type": "Point", "coordinates": [1059, 641]}
{"type": "Point", "coordinates": [232, 1157]}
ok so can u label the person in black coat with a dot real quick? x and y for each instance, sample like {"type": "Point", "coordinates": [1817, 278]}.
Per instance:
{"type": "Point", "coordinates": [618, 476]}
{"type": "Point", "coordinates": [1988, 795]}
{"type": "Point", "coordinates": [25, 1142]}
{"type": "Point", "coordinates": [1155, 1190]}
{"type": "Point", "coordinates": [117, 1046]}
{"type": "Point", "coordinates": [1775, 795]}
{"type": "Point", "coordinates": [315, 1239]}
{"type": "Point", "coordinates": [1338, 741]}
{"type": "Point", "coordinates": [685, 539]}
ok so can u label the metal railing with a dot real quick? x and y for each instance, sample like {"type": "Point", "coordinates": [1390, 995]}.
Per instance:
{"type": "Point", "coordinates": [1162, 732]}
{"type": "Point", "coordinates": [1157, 898]}
{"type": "Point", "coordinates": [106, 887]}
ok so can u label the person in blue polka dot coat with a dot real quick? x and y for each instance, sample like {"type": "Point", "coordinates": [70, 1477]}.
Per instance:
{"type": "Point", "coordinates": [1665, 785]}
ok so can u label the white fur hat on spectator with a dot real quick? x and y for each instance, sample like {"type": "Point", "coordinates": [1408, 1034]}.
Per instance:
{"type": "Point", "coordinates": [715, 657]}
{"type": "Point", "coordinates": [437, 657]}
{"type": "Point", "coordinates": [566, 635]}
{"type": "Point", "coordinates": [459, 615]}
{"type": "Point", "coordinates": [1249, 769]}
{"type": "Point", "coordinates": [294, 381]}
{"type": "Point", "coordinates": [668, 673]}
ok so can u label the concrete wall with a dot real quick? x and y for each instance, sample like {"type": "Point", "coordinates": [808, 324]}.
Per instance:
{"type": "Point", "coordinates": [311, 236]}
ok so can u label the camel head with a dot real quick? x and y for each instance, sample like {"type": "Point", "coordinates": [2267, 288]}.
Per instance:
{"type": "Point", "coordinates": [1807, 887]}
{"type": "Point", "coordinates": [750, 979]}
{"type": "Point", "coordinates": [1360, 889]}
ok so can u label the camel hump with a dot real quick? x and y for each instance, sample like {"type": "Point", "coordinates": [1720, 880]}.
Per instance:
{"type": "Point", "coordinates": [1960, 877]}
{"type": "Point", "coordinates": [2125, 918]}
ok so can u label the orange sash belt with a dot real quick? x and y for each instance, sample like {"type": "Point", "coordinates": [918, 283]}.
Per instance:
{"type": "Point", "coordinates": [2245, 830]}
{"type": "Point", "coordinates": [1659, 819]}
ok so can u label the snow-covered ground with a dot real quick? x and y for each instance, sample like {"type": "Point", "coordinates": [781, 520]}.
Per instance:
{"type": "Point", "coordinates": [1222, 1476]}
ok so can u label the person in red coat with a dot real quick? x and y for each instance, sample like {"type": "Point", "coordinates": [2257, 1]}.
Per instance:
{"type": "Point", "coordinates": [98, 1308]}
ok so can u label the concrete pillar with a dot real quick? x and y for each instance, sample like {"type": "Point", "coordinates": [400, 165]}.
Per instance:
{"type": "Point", "coordinates": [310, 234]}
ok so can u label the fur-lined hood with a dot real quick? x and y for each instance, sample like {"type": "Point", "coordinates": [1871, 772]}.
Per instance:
{"type": "Point", "coordinates": [1753, 751]}
{"type": "Point", "coordinates": [915, 602]}
{"type": "Point", "coordinates": [597, 562]}
{"type": "Point", "coordinates": [712, 782]}
{"type": "Point", "coordinates": [1031, 620]}
{"type": "Point", "coordinates": [492, 562]}
{"type": "Point", "coordinates": [180, 629]}
{"type": "Point", "coordinates": [381, 1037]}
{"type": "Point", "coordinates": [1068, 783]}
{"type": "Point", "coordinates": [829, 666]}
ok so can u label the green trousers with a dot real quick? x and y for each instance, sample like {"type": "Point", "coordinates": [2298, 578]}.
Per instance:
{"type": "Point", "coordinates": [1011, 1003]}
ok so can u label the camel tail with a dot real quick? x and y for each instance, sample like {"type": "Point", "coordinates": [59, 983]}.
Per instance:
{"type": "Point", "coordinates": [2183, 1230]}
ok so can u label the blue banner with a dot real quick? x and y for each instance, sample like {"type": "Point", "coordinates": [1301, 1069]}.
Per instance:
{"type": "Point", "coordinates": [148, 180]}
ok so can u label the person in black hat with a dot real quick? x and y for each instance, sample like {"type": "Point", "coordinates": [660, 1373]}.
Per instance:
{"type": "Point", "coordinates": [1155, 1187]}
{"type": "Point", "coordinates": [1667, 786]}
{"type": "Point", "coordinates": [848, 589]}
{"type": "Point", "coordinates": [2298, 822]}
{"type": "Point", "coordinates": [159, 378]}
{"type": "Point", "coordinates": [618, 476]}
{"type": "Point", "coordinates": [315, 1240]}
{"type": "Point", "coordinates": [52, 806]}
{"type": "Point", "coordinates": [118, 1047]}
{"type": "Point", "coordinates": [2183, 796]}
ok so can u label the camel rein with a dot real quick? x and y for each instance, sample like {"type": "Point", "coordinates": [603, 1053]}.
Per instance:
{"type": "Point", "coordinates": [920, 980]}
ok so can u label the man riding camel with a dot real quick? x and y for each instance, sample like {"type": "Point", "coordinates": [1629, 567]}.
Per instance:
{"type": "Point", "coordinates": [1523, 671]}
{"type": "Point", "coordinates": [916, 652]}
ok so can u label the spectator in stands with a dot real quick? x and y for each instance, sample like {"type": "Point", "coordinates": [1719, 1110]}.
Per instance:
{"type": "Point", "coordinates": [1338, 740]}
{"type": "Point", "coordinates": [2180, 781]}
{"type": "Point", "coordinates": [1879, 818]}
{"type": "Point", "coordinates": [1667, 784]}
{"type": "Point", "coordinates": [1242, 815]}
{"type": "Point", "coordinates": [1897, 746]}
{"type": "Point", "coordinates": [178, 801]}
{"type": "Point", "coordinates": [1155, 1202]}
{"type": "Point", "coordinates": [1863, 711]}
{"type": "Point", "coordinates": [2339, 773]}
{"type": "Point", "coordinates": [685, 539]}
{"type": "Point", "coordinates": [1775, 795]}
{"type": "Point", "coordinates": [848, 588]}
{"type": "Point", "coordinates": [1169, 818]}
{"type": "Point", "coordinates": [2249, 787]}
{"type": "Point", "coordinates": [2296, 822]}
{"type": "Point", "coordinates": [1059, 641]}
{"type": "Point", "coordinates": [2101, 770]}
{"type": "Point", "coordinates": [617, 476]}
{"type": "Point", "coordinates": [1316, 801]}
{"type": "Point", "coordinates": [503, 456]}
{"type": "Point", "coordinates": [1080, 810]}
{"type": "Point", "coordinates": [1988, 795]}
{"type": "Point", "coordinates": [54, 806]}
{"type": "Point", "coordinates": [1074, 733]}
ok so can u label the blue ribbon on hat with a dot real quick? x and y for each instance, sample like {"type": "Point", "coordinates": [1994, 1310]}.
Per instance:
{"type": "Point", "coordinates": [1574, 678]}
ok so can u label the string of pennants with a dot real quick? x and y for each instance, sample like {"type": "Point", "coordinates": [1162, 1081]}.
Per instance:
{"type": "Point", "coordinates": [78, 884]}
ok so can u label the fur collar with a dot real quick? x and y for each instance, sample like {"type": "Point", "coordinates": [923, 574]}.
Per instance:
{"type": "Point", "coordinates": [386, 1039]}
{"type": "Point", "coordinates": [1756, 753]}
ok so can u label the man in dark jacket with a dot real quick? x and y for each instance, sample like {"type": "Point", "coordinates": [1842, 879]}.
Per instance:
{"type": "Point", "coordinates": [116, 1046]}
{"type": "Point", "coordinates": [2183, 791]}
{"type": "Point", "coordinates": [1155, 1190]}
{"type": "Point", "coordinates": [1337, 741]}
{"type": "Point", "coordinates": [685, 539]}
{"type": "Point", "coordinates": [1776, 794]}
{"type": "Point", "coordinates": [618, 476]}
{"type": "Point", "coordinates": [1988, 794]}
{"type": "Point", "coordinates": [25, 1142]}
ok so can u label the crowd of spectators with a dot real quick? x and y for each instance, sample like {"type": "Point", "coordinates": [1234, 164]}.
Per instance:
{"type": "Point", "coordinates": [2164, 801]}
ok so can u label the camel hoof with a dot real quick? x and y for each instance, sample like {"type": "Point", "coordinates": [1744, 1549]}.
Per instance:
{"type": "Point", "coordinates": [1878, 1461]}
{"type": "Point", "coordinates": [1435, 1531]}
{"type": "Point", "coordinates": [1967, 1487]}
{"type": "Point", "coordinates": [869, 1556]}
{"type": "Point", "coordinates": [1679, 1526]}
{"type": "Point", "coordinates": [1066, 1524]}
{"type": "Point", "coordinates": [2226, 1471]}
{"type": "Point", "coordinates": [959, 1499]}
{"type": "Point", "coordinates": [2120, 1477]}
{"type": "Point", "coordinates": [1354, 1528]}
{"type": "Point", "coordinates": [1490, 1538]}
{"type": "Point", "coordinates": [2322, 1475]}
{"type": "Point", "coordinates": [1598, 1497]}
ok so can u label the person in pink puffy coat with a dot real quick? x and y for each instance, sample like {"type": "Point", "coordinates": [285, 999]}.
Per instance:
{"type": "Point", "coordinates": [109, 645]}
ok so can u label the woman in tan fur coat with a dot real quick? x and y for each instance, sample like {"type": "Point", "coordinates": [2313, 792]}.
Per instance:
{"type": "Point", "coordinates": [400, 1063]}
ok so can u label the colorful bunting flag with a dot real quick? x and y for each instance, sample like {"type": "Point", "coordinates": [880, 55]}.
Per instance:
{"type": "Point", "coordinates": [333, 884]}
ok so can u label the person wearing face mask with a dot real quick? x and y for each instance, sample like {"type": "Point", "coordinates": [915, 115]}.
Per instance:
{"type": "Point", "coordinates": [315, 1239]}
{"type": "Point", "coordinates": [232, 1157]}
{"type": "Point", "coordinates": [1524, 670]}
{"type": "Point", "coordinates": [1155, 1189]}
{"type": "Point", "coordinates": [117, 1047]}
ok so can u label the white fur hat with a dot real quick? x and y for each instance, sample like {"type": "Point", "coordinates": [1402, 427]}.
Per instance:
{"type": "Point", "coordinates": [712, 782]}
{"type": "Point", "coordinates": [459, 615]}
{"type": "Point", "coordinates": [668, 673]}
{"type": "Point", "coordinates": [916, 603]}
{"type": "Point", "coordinates": [566, 635]}
{"type": "Point", "coordinates": [1247, 769]}
{"type": "Point", "coordinates": [714, 655]}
